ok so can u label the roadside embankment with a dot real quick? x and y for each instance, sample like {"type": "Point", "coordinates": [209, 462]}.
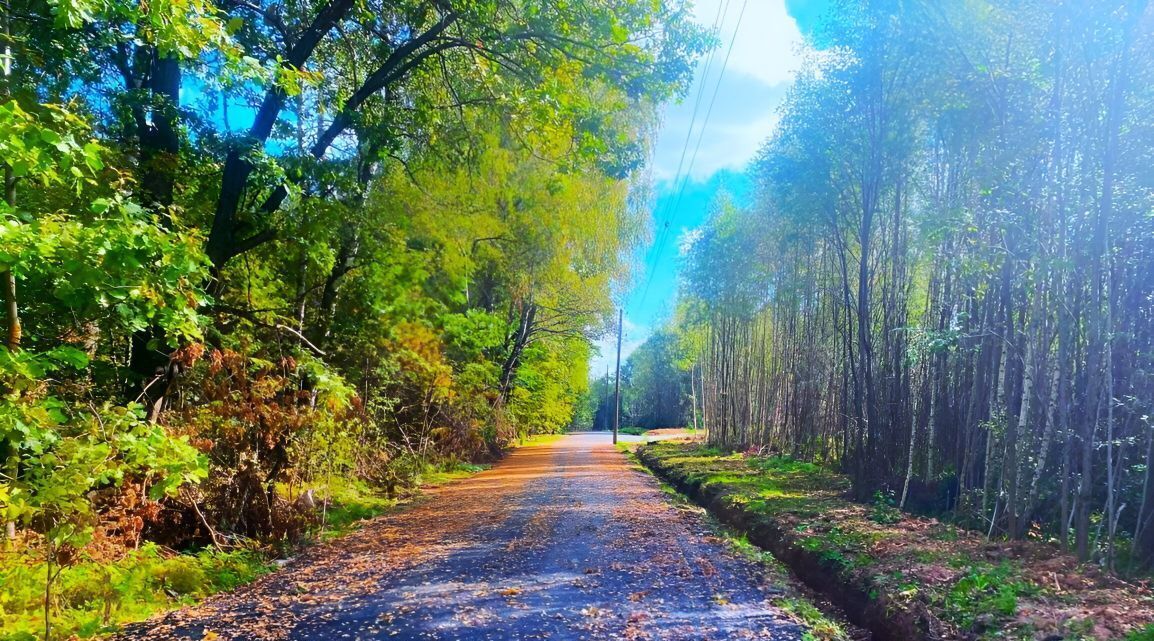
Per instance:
{"type": "Point", "coordinates": [904, 578]}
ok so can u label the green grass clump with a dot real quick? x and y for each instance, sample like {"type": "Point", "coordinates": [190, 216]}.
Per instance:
{"type": "Point", "coordinates": [843, 548]}
{"type": "Point", "coordinates": [350, 502]}
{"type": "Point", "coordinates": [453, 470]}
{"type": "Point", "coordinates": [1145, 634]}
{"type": "Point", "coordinates": [986, 591]}
{"type": "Point", "coordinates": [819, 627]}
{"type": "Point", "coordinates": [769, 485]}
{"type": "Point", "coordinates": [539, 439]}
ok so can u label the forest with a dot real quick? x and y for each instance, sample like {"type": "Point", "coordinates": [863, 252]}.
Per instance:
{"type": "Point", "coordinates": [942, 283]}
{"type": "Point", "coordinates": [258, 257]}
{"type": "Point", "coordinates": [270, 266]}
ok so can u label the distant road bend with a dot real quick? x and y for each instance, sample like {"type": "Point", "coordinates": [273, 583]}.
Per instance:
{"type": "Point", "coordinates": [560, 541]}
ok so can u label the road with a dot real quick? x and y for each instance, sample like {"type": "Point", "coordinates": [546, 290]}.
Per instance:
{"type": "Point", "coordinates": [559, 541]}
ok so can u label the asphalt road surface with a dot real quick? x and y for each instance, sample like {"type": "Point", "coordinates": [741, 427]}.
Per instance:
{"type": "Point", "coordinates": [559, 541]}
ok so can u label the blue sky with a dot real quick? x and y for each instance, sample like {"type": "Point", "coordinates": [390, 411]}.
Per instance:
{"type": "Point", "coordinates": [766, 48]}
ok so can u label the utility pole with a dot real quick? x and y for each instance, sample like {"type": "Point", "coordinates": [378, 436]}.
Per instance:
{"type": "Point", "coordinates": [617, 378]}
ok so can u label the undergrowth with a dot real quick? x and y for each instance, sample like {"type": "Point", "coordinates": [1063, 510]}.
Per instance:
{"type": "Point", "coordinates": [94, 597]}
{"type": "Point", "coordinates": [989, 592]}
{"type": "Point", "coordinates": [976, 588]}
{"type": "Point", "coordinates": [818, 625]}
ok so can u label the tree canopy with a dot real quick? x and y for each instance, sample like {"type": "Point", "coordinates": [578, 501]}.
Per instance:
{"type": "Point", "coordinates": [248, 247]}
{"type": "Point", "coordinates": [943, 283]}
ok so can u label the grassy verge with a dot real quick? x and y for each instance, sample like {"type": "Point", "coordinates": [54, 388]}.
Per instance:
{"type": "Point", "coordinates": [539, 439]}
{"type": "Point", "coordinates": [821, 623]}
{"type": "Point", "coordinates": [350, 503]}
{"type": "Point", "coordinates": [903, 577]}
{"type": "Point", "coordinates": [93, 597]}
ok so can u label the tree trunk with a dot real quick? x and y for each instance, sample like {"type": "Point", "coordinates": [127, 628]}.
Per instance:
{"type": "Point", "coordinates": [516, 346]}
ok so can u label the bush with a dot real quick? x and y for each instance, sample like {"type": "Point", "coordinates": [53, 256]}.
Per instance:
{"type": "Point", "coordinates": [96, 596]}
{"type": "Point", "coordinates": [884, 509]}
{"type": "Point", "coordinates": [985, 591]}
{"type": "Point", "coordinates": [182, 575]}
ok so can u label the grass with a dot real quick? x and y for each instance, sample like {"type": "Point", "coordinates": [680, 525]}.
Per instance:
{"type": "Point", "coordinates": [986, 591]}
{"type": "Point", "coordinates": [351, 502]}
{"type": "Point", "coordinates": [535, 440]}
{"type": "Point", "coordinates": [819, 626]}
{"type": "Point", "coordinates": [93, 598]}
{"type": "Point", "coordinates": [452, 472]}
{"type": "Point", "coordinates": [975, 588]}
{"type": "Point", "coordinates": [766, 485]}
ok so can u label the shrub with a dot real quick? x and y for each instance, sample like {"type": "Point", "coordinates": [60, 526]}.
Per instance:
{"type": "Point", "coordinates": [182, 575]}
{"type": "Point", "coordinates": [884, 509]}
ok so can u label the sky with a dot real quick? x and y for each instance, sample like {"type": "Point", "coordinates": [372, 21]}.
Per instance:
{"type": "Point", "coordinates": [735, 96]}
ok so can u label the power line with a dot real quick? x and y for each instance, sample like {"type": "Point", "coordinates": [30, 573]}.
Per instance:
{"type": "Point", "coordinates": [709, 112]}
{"type": "Point", "coordinates": [666, 212]}
{"type": "Point", "coordinates": [718, 20]}
{"type": "Point", "coordinates": [664, 234]}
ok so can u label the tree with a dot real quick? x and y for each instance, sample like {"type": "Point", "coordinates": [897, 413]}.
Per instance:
{"type": "Point", "coordinates": [947, 236]}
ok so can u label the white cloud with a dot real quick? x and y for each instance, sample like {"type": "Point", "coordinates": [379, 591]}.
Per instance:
{"type": "Point", "coordinates": [766, 46]}
{"type": "Point", "coordinates": [766, 54]}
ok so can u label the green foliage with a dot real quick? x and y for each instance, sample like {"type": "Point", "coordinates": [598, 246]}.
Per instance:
{"type": "Point", "coordinates": [884, 509]}
{"type": "Point", "coordinates": [819, 627]}
{"type": "Point", "coordinates": [94, 596]}
{"type": "Point", "coordinates": [1144, 634]}
{"type": "Point", "coordinates": [378, 315]}
{"type": "Point", "coordinates": [64, 456]}
{"type": "Point", "coordinates": [893, 296]}
{"type": "Point", "coordinates": [984, 590]}
{"type": "Point", "coordinates": [49, 145]}
{"type": "Point", "coordinates": [113, 266]}
{"type": "Point", "coordinates": [654, 389]}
